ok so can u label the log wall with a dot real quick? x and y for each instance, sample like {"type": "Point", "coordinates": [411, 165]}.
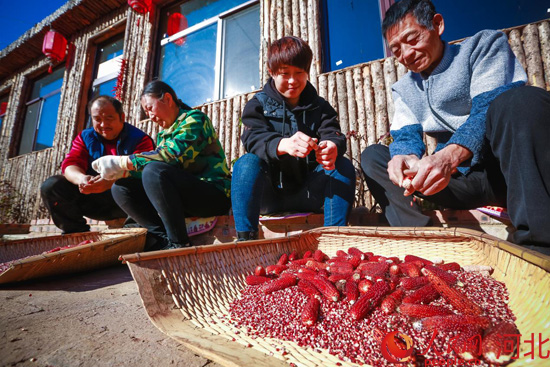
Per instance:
{"type": "Point", "coordinates": [361, 94]}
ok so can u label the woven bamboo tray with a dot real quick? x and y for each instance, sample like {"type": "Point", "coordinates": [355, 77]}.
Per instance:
{"type": "Point", "coordinates": [104, 251]}
{"type": "Point", "coordinates": [186, 291]}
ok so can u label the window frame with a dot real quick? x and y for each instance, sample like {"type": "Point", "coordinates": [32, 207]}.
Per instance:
{"type": "Point", "coordinates": [220, 20]}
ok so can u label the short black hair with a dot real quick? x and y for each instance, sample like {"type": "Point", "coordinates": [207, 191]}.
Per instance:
{"type": "Point", "coordinates": [157, 88]}
{"type": "Point", "coordinates": [423, 11]}
{"type": "Point", "coordinates": [115, 102]}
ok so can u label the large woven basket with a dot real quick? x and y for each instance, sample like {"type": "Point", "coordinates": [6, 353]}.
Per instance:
{"type": "Point", "coordinates": [186, 292]}
{"type": "Point", "coordinates": [104, 251]}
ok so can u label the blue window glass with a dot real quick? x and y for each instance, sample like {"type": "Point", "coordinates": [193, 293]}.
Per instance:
{"type": "Point", "coordinates": [351, 33]}
{"type": "Point", "coordinates": [214, 51]}
{"type": "Point", "coordinates": [41, 114]}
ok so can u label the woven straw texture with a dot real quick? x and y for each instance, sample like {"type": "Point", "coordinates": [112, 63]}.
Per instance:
{"type": "Point", "coordinates": [104, 251]}
{"type": "Point", "coordinates": [186, 291]}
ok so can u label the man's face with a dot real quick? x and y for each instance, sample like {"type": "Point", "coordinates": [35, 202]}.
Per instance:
{"type": "Point", "coordinates": [290, 81]}
{"type": "Point", "coordinates": [416, 47]}
{"type": "Point", "coordinates": [106, 121]}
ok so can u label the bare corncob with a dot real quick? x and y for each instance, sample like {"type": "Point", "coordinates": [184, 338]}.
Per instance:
{"type": "Point", "coordinates": [368, 301]}
{"type": "Point", "coordinates": [306, 287]}
{"type": "Point", "coordinates": [458, 300]}
{"type": "Point", "coordinates": [279, 284]}
{"type": "Point", "coordinates": [425, 295]}
{"type": "Point", "coordinates": [327, 289]}
{"type": "Point", "coordinates": [413, 283]}
{"type": "Point", "coordinates": [311, 311]}
{"type": "Point", "coordinates": [390, 303]}
{"type": "Point", "coordinates": [451, 322]}
{"type": "Point", "coordinates": [419, 311]}
{"type": "Point", "coordinates": [256, 279]}
{"type": "Point", "coordinates": [351, 291]}
{"type": "Point", "coordinates": [492, 347]}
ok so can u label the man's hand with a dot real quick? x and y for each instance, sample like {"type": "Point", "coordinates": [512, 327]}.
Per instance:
{"type": "Point", "coordinates": [326, 154]}
{"type": "Point", "coordinates": [298, 145]}
{"type": "Point", "coordinates": [94, 185]}
{"type": "Point", "coordinates": [397, 167]}
{"type": "Point", "coordinates": [111, 167]}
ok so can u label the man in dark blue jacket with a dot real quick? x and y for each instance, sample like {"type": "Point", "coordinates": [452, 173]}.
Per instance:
{"type": "Point", "coordinates": [80, 191]}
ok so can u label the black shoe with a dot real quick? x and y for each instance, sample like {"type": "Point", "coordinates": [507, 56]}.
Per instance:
{"type": "Point", "coordinates": [173, 245]}
{"type": "Point", "coordinates": [247, 236]}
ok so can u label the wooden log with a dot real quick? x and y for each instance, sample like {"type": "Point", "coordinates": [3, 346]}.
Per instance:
{"type": "Point", "coordinates": [295, 18]}
{"type": "Point", "coordinates": [514, 38]}
{"type": "Point", "coordinates": [390, 77]}
{"type": "Point", "coordinates": [355, 152]}
{"type": "Point", "coordinates": [221, 129]}
{"type": "Point", "coordinates": [361, 111]}
{"type": "Point", "coordinates": [314, 38]}
{"type": "Point", "coordinates": [279, 18]}
{"type": "Point", "coordinates": [532, 56]}
{"type": "Point", "coordinates": [303, 20]}
{"type": "Point", "coordinates": [544, 37]}
{"type": "Point", "coordinates": [370, 109]}
{"type": "Point", "coordinates": [343, 108]}
{"type": "Point", "coordinates": [235, 129]}
{"type": "Point", "coordinates": [287, 18]}
{"type": "Point", "coordinates": [401, 70]}
{"type": "Point", "coordinates": [332, 95]}
{"type": "Point", "coordinates": [227, 128]}
{"type": "Point", "coordinates": [244, 100]}
{"type": "Point", "coordinates": [382, 124]}
{"type": "Point", "coordinates": [265, 39]}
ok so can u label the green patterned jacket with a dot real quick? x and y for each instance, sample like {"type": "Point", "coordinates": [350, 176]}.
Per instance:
{"type": "Point", "coordinates": [192, 144]}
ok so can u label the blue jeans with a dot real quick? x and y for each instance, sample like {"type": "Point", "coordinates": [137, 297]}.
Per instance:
{"type": "Point", "coordinates": [164, 196]}
{"type": "Point", "coordinates": [253, 193]}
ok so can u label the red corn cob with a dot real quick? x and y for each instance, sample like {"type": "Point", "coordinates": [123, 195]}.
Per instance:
{"type": "Point", "coordinates": [449, 267]}
{"type": "Point", "coordinates": [354, 261]}
{"type": "Point", "coordinates": [368, 301]}
{"type": "Point", "coordinates": [336, 277]}
{"type": "Point", "coordinates": [447, 277]}
{"type": "Point", "coordinates": [425, 295]}
{"type": "Point", "coordinates": [340, 268]}
{"type": "Point", "coordinates": [394, 259]}
{"type": "Point", "coordinates": [364, 285]}
{"type": "Point", "coordinates": [320, 256]}
{"type": "Point", "coordinates": [308, 254]}
{"type": "Point", "coordinates": [341, 253]}
{"type": "Point", "coordinates": [492, 347]}
{"type": "Point", "coordinates": [293, 256]}
{"type": "Point", "coordinates": [379, 258]}
{"type": "Point", "coordinates": [451, 322]}
{"type": "Point", "coordinates": [327, 289]}
{"type": "Point", "coordinates": [283, 259]}
{"type": "Point", "coordinates": [306, 275]}
{"type": "Point", "coordinates": [351, 291]}
{"type": "Point", "coordinates": [368, 255]}
{"type": "Point", "coordinates": [394, 270]}
{"type": "Point", "coordinates": [458, 300]}
{"type": "Point", "coordinates": [390, 303]}
{"type": "Point", "coordinates": [279, 284]}
{"type": "Point", "coordinates": [354, 251]}
{"type": "Point", "coordinates": [256, 279]}
{"type": "Point", "coordinates": [340, 285]}
{"type": "Point", "coordinates": [297, 263]}
{"type": "Point", "coordinates": [308, 288]}
{"type": "Point", "coordinates": [275, 269]}
{"type": "Point", "coordinates": [323, 273]}
{"type": "Point", "coordinates": [419, 311]}
{"type": "Point", "coordinates": [311, 311]}
{"type": "Point", "coordinates": [467, 344]}
{"type": "Point", "coordinates": [260, 271]}
{"type": "Point", "coordinates": [393, 281]}
{"type": "Point", "coordinates": [413, 283]}
{"type": "Point", "coordinates": [373, 269]}
{"type": "Point", "coordinates": [409, 269]}
{"type": "Point", "coordinates": [412, 258]}
{"type": "Point", "coordinates": [315, 265]}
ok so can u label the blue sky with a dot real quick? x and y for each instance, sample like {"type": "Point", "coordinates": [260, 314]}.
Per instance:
{"type": "Point", "coordinates": [17, 16]}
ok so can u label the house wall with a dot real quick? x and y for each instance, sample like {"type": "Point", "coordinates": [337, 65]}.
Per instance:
{"type": "Point", "coordinates": [361, 94]}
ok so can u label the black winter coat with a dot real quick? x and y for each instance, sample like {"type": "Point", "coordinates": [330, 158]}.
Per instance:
{"type": "Point", "coordinates": [267, 119]}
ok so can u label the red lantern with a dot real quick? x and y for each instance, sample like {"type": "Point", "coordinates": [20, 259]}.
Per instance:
{"type": "Point", "coordinates": [140, 6]}
{"type": "Point", "coordinates": [54, 46]}
{"type": "Point", "coordinates": [176, 23]}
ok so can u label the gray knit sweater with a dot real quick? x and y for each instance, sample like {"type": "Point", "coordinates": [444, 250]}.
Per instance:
{"type": "Point", "coordinates": [451, 102]}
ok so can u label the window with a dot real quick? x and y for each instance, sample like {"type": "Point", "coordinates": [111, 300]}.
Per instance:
{"type": "Point", "coordinates": [211, 49]}
{"type": "Point", "coordinates": [3, 108]}
{"type": "Point", "coordinates": [41, 113]}
{"type": "Point", "coordinates": [109, 56]}
{"type": "Point", "coordinates": [351, 33]}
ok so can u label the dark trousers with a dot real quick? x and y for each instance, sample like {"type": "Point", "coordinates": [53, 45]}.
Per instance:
{"type": "Point", "coordinates": [515, 170]}
{"type": "Point", "coordinates": [68, 206]}
{"type": "Point", "coordinates": [164, 196]}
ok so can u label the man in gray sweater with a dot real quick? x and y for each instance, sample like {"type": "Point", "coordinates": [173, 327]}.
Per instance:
{"type": "Point", "coordinates": [492, 130]}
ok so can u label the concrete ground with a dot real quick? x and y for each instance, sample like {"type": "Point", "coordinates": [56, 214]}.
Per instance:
{"type": "Point", "coordinates": [89, 320]}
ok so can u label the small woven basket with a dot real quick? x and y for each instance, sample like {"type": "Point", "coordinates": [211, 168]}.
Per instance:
{"type": "Point", "coordinates": [186, 292]}
{"type": "Point", "coordinates": [104, 251]}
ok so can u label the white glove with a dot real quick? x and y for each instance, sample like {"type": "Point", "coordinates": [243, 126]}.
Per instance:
{"type": "Point", "coordinates": [112, 167]}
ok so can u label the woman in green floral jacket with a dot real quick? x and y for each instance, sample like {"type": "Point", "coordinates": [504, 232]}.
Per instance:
{"type": "Point", "coordinates": [186, 175]}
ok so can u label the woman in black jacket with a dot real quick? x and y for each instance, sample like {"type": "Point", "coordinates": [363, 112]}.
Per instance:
{"type": "Point", "coordinates": [295, 148]}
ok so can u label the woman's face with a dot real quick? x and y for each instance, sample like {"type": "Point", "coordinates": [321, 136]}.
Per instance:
{"type": "Point", "coordinates": [162, 111]}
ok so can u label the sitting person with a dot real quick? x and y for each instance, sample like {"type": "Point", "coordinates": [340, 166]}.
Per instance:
{"type": "Point", "coordinates": [80, 191]}
{"type": "Point", "coordinates": [491, 129]}
{"type": "Point", "coordinates": [294, 146]}
{"type": "Point", "coordinates": [186, 175]}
